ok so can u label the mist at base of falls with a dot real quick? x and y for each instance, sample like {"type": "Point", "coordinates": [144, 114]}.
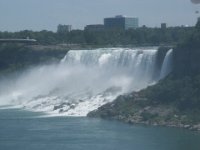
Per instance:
{"type": "Point", "coordinates": [83, 80]}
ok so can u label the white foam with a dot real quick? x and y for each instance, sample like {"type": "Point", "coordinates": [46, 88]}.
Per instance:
{"type": "Point", "coordinates": [82, 82]}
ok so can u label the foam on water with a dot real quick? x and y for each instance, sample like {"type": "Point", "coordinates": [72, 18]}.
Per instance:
{"type": "Point", "coordinates": [83, 81]}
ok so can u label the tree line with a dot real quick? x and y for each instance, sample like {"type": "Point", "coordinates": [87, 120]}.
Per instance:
{"type": "Point", "coordinates": [141, 36]}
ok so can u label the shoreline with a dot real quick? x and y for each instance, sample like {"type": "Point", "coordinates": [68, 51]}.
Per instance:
{"type": "Point", "coordinates": [190, 127]}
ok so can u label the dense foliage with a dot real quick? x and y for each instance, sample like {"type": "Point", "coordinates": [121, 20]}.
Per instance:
{"type": "Point", "coordinates": [183, 92]}
{"type": "Point", "coordinates": [187, 54]}
{"type": "Point", "coordinates": [19, 56]}
{"type": "Point", "coordinates": [182, 87]}
{"type": "Point", "coordinates": [141, 36]}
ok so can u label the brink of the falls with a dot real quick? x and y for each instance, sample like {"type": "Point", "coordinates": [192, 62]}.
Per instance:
{"type": "Point", "coordinates": [84, 80]}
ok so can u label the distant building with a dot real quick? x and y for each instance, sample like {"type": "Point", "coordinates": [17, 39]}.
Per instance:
{"type": "Point", "coordinates": [185, 26]}
{"type": "Point", "coordinates": [94, 27]}
{"type": "Point", "coordinates": [144, 26]}
{"type": "Point", "coordinates": [64, 28]}
{"type": "Point", "coordinates": [198, 23]}
{"type": "Point", "coordinates": [121, 22]}
{"type": "Point", "coordinates": [163, 25]}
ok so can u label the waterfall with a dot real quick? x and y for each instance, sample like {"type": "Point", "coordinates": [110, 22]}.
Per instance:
{"type": "Point", "coordinates": [167, 64]}
{"type": "Point", "coordinates": [84, 80]}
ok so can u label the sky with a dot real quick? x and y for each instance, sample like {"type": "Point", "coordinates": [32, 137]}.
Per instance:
{"type": "Point", "coordinates": [36, 15]}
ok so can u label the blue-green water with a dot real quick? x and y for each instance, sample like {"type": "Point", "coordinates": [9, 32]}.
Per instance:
{"type": "Point", "coordinates": [21, 130]}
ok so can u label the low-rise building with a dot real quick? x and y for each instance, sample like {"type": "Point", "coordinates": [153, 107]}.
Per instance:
{"type": "Point", "coordinates": [94, 27]}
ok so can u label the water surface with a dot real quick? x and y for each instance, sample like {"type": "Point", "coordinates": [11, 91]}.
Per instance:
{"type": "Point", "coordinates": [22, 130]}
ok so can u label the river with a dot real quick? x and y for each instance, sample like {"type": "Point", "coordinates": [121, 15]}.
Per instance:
{"type": "Point", "coordinates": [24, 130]}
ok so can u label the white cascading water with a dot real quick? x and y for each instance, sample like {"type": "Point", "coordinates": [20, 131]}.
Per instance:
{"type": "Point", "coordinates": [83, 81]}
{"type": "Point", "coordinates": [167, 64]}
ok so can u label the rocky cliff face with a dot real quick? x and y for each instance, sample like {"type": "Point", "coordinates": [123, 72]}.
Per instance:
{"type": "Point", "coordinates": [154, 106]}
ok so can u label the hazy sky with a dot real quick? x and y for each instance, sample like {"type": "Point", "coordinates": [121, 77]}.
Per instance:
{"type": "Point", "coordinates": [37, 15]}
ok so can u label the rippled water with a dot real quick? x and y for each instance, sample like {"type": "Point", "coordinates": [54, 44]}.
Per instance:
{"type": "Point", "coordinates": [22, 130]}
